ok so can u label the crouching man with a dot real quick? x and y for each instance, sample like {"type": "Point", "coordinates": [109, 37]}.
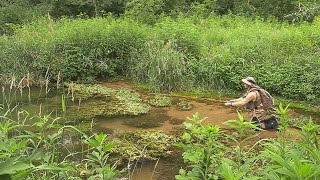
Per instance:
{"type": "Point", "coordinates": [256, 100]}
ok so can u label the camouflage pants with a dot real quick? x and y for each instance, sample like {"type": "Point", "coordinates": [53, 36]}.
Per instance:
{"type": "Point", "coordinates": [259, 113]}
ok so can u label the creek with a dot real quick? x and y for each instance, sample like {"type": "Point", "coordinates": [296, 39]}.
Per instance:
{"type": "Point", "coordinates": [111, 114]}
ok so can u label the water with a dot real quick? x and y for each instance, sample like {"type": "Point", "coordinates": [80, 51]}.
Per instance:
{"type": "Point", "coordinates": [37, 102]}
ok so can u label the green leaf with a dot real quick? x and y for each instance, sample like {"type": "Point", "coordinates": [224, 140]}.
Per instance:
{"type": "Point", "coordinates": [95, 156]}
{"type": "Point", "coordinates": [12, 165]}
{"type": "Point", "coordinates": [5, 177]}
{"type": "Point", "coordinates": [22, 174]}
{"type": "Point", "coordinates": [109, 146]}
{"type": "Point", "coordinates": [52, 168]}
{"type": "Point", "coordinates": [38, 154]}
{"type": "Point", "coordinates": [186, 136]}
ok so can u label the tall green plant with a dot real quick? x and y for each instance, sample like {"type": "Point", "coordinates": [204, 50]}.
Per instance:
{"type": "Point", "coordinates": [240, 167]}
{"type": "Point", "coordinates": [243, 128]}
{"type": "Point", "coordinates": [202, 150]}
{"type": "Point", "coordinates": [98, 158]}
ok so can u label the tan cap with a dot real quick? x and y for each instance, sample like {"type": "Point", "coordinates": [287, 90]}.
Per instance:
{"type": "Point", "coordinates": [250, 81]}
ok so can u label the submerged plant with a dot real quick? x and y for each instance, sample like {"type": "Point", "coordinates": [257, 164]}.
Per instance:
{"type": "Point", "coordinates": [183, 105]}
{"type": "Point", "coordinates": [108, 102]}
{"type": "Point", "coordinates": [144, 144]}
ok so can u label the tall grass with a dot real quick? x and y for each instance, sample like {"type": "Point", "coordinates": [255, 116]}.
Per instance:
{"type": "Point", "coordinates": [161, 65]}
{"type": "Point", "coordinates": [212, 53]}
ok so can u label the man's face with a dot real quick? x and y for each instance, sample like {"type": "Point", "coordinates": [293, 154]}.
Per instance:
{"type": "Point", "coordinates": [246, 86]}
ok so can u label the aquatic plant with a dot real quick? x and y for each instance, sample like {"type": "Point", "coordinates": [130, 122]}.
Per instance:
{"type": "Point", "coordinates": [160, 101]}
{"type": "Point", "coordinates": [183, 105]}
{"type": "Point", "coordinates": [110, 101]}
{"type": "Point", "coordinates": [146, 144]}
{"type": "Point", "coordinates": [97, 160]}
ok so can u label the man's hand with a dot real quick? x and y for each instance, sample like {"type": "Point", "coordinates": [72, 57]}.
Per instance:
{"type": "Point", "coordinates": [228, 103]}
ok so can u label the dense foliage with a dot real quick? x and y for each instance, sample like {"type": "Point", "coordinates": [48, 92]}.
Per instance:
{"type": "Point", "coordinates": [173, 45]}
{"type": "Point", "coordinates": [17, 12]}
{"type": "Point", "coordinates": [173, 54]}
{"type": "Point", "coordinates": [279, 158]}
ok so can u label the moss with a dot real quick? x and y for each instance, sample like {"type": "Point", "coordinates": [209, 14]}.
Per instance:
{"type": "Point", "coordinates": [98, 101]}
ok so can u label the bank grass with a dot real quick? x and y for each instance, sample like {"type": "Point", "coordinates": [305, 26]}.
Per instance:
{"type": "Point", "coordinates": [301, 106]}
{"type": "Point", "coordinates": [172, 55]}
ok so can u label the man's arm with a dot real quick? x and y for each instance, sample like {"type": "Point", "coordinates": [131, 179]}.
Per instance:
{"type": "Point", "coordinates": [228, 103]}
{"type": "Point", "coordinates": [243, 101]}
{"type": "Point", "coordinates": [235, 100]}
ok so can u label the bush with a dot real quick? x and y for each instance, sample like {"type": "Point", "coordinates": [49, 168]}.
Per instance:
{"type": "Point", "coordinates": [213, 53]}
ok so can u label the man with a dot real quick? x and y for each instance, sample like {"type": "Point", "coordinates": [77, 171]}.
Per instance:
{"type": "Point", "coordinates": [252, 101]}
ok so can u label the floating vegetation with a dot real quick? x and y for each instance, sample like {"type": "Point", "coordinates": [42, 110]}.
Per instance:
{"type": "Point", "coordinates": [148, 145]}
{"type": "Point", "coordinates": [160, 101]}
{"type": "Point", "coordinates": [183, 105]}
{"type": "Point", "coordinates": [104, 102]}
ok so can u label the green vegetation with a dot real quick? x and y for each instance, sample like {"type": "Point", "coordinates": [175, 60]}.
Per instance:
{"type": "Point", "coordinates": [43, 147]}
{"type": "Point", "coordinates": [201, 48]}
{"type": "Point", "coordinates": [171, 55]}
{"type": "Point", "coordinates": [183, 105]}
{"type": "Point", "coordinates": [39, 154]}
{"type": "Point", "coordinates": [144, 145]}
{"type": "Point", "coordinates": [19, 12]}
{"type": "Point", "coordinates": [98, 101]}
{"type": "Point", "coordinates": [278, 158]}
{"type": "Point", "coordinates": [160, 101]}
